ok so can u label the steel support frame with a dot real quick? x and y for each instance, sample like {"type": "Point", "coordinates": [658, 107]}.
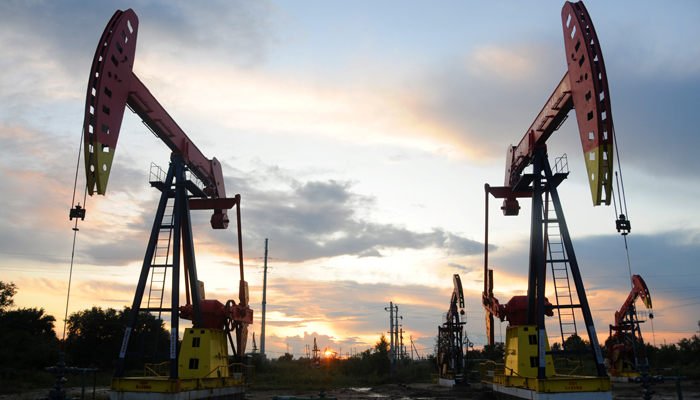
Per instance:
{"type": "Point", "coordinates": [183, 241]}
{"type": "Point", "coordinates": [536, 276]}
{"type": "Point", "coordinates": [629, 334]}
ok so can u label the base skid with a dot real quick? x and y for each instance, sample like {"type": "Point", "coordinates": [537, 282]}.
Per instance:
{"type": "Point", "coordinates": [446, 382]}
{"type": "Point", "coordinates": [623, 376]}
{"type": "Point", "coordinates": [150, 388]}
{"type": "Point", "coordinates": [512, 392]}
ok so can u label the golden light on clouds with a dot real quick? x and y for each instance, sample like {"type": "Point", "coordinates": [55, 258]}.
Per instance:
{"type": "Point", "coordinates": [362, 113]}
{"type": "Point", "coordinates": [501, 63]}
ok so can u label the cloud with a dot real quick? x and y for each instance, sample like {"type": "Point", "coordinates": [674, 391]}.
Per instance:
{"type": "Point", "coordinates": [343, 314]}
{"type": "Point", "coordinates": [464, 269]}
{"type": "Point", "coordinates": [319, 219]}
{"type": "Point", "coordinates": [239, 32]}
{"type": "Point", "coordinates": [472, 96]}
{"type": "Point", "coordinates": [654, 145]}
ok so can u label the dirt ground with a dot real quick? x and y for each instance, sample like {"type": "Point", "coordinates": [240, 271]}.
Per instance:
{"type": "Point", "coordinates": [477, 391]}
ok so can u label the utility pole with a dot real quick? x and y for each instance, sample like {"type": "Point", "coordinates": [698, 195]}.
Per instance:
{"type": "Point", "coordinates": [392, 360]}
{"type": "Point", "coordinates": [396, 334]}
{"type": "Point", "coordinates": [262, 333]}
{"type": "Point", "coordinates": [413, 347]}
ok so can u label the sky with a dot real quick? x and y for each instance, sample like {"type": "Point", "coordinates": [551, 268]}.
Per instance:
{"type": "Point", "coordinates": [360, 135]}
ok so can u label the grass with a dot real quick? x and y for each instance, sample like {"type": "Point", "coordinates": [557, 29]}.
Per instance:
{"type": "Point", "coordinates": [299, 375]}
{"type": "Point", "coordinates": [13, 381]}
{"type": "Point", "coordinates": [295, 375]}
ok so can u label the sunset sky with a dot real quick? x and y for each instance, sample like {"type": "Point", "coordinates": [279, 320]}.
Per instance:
{"type": "Point", "coordinates": [360, 135]}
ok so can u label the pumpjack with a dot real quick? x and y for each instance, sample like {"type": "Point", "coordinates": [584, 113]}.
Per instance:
{"type": "Point", "coordinates": [450, 356]}
{"type": "Point", "coordinates": [199, 366]}
{"type": "Point", "coordinates": [529, 370]}
{"type": "Point", "coordinates": [316, 360]}
{"type": "Point", "coordinates": [626, 347]}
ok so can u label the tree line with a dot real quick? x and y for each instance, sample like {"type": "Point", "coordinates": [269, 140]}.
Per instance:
{"type": "Point", "coordinates": [94, 337]}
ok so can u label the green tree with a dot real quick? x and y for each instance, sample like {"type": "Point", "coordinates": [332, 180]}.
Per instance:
{"type": "Point", "coordinates": [27, 336]}
{"type": "Point", "coordinates": [689, 350]}
{"type": "Point", "coordinates": [7, 291]}
{"type": "Point", "coordinates": [382, 346]}
{"type": "Point", "coordinates": [380, 358]}
{"type": "Point", "coordinates": [495, 352]}
{"type": "Point", "coordinates": [95, 336]}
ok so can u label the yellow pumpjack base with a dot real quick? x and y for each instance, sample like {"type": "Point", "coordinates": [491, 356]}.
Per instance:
{"type": "Point", "coordinates": [203, 370]}
{"type": "Point", "coordinates": [156, 388]}
{"type": "Point", "coordinates": [517, 378]}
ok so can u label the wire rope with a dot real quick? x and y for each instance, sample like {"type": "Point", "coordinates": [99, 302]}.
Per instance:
{"type": "Point", "coordinates": [75, 234]}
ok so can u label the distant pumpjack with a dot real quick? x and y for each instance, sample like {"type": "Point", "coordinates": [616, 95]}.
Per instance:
{"type": "Point", "coordinates": [450, 356]}
{"type": "Point", "coordinates": [626, 349]}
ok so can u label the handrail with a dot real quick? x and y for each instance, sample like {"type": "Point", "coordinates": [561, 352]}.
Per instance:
{"type": "Point", "coordinates": [158, 369]}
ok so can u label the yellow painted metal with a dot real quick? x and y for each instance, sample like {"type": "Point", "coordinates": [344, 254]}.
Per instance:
{"type": "Point", "coordinates": [203, 354]}
{"type": "Point", "coordinates": [203, 364]}
{"type": "Point", "coordinates": [520, 368]}
{"type": "Point", "coordinates": [146, 384]}
{"type": "Point", "coordinates": [521, 352]}
{"type": "Point", "coordinates": [240, 375]}
{"type": "Point", "coordinates": [599, 167]}
{"type": "Point", "coordinates": [623, 367]}
{"type": "Point", "coordinates": [161, 369]}
{"type": "Point", "coordinates": [98, 166]}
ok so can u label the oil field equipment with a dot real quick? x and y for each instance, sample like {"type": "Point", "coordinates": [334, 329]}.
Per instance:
{"type": "Point", "coordinates": [626, 348]}
{"type": "Point", "coordinates": [316, 360]}
{"type": "Point", "coordinates": [450, 355]}
{"type": "Point", "coordinates": [529, 370]}
{"type": "Point", "coordinates": [202, 367]}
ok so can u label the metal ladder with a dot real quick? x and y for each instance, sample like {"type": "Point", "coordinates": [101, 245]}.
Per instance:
{"type": "Point", "coordinates": [558, 260]}
{"type": "Point", "coordinates": [160, 264]}
{"type": "Point", "coordinates": [559, 263]}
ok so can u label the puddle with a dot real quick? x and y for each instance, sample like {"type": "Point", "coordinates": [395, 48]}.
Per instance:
{"type": "Point", "coordinates": [366, 392]}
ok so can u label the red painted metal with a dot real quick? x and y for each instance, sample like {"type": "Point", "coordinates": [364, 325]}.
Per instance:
{"type": "Point", "coordinates": [162, 124]}
{"type": "Point", "coordinates": [591, 95]}
{"type": "Point", "coordinates": [639, 291]}
{"type": "Point", "coordinates": [626, 345]}
{"type": "Point", "coordinates": [514, 311]}
{"type": "Point", "coordinates": [552, 115]}
{"type": "Point", "coordinates": [215, 315]}
{"type": "Point", "coordinates": [108, 89]}
{"type": "Point", "coordinates": [111, 87]}
{"type": "Point", "coordinates": [585, 88]}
